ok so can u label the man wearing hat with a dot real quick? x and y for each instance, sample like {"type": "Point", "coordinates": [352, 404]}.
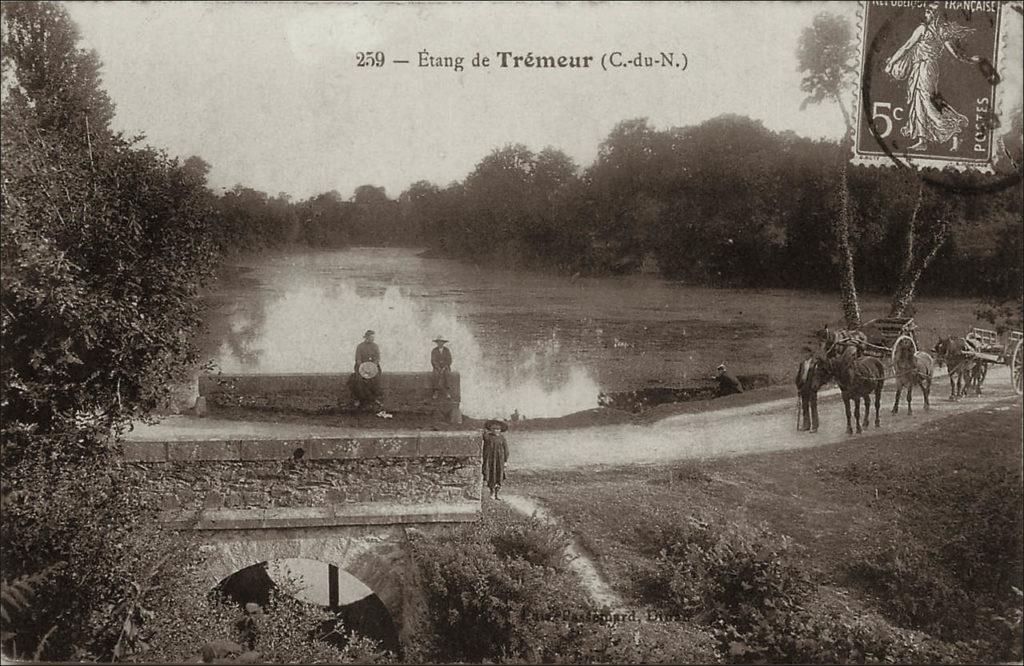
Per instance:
{"type": "Point", "coordinates": [365, 382]}
{"type": "Point", "coordinates": [727, 382]}
{"type": "Point", "coordinates": [494, 455]}
{"type": "Point", "coordinates": [441, 362]}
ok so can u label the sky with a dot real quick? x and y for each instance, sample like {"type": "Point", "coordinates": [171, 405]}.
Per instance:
{"type": "Point", "coordinates": [271, 95]}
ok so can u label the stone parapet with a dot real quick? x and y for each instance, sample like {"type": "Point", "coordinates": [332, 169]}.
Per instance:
{"type": "Point", "coordinates": [325, 393]}
{"type": "Point", "coordinates": [306, 482]}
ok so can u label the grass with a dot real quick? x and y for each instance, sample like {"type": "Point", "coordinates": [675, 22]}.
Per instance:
{"type": "Point", "coordinates": [945, 497]}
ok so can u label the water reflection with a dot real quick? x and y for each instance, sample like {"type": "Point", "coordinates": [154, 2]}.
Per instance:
{"type": "Point", "coordinates": [545, 345]}
{"type": "Point", "coordinates": [305, 323]}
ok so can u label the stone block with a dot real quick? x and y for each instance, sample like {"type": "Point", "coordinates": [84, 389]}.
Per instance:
{"type": "Point", "coordinates": [336, 496]}
{"type": "Point", "coordinates": [205, 450]}
{"type": "Point", "coordinates": [213, 500]}
{"type": "Point", "coordinates": [145, 451]}
{"type": "Point", "coordinates": [250, 498]}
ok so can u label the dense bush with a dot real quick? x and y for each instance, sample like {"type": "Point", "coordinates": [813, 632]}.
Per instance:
{"type": "Point", "coordinates": [485, 606]}
{"type": "Point", "coordinates": [190, 622]}
{"type": "Point", "coordinates": [819, 636]}
{"type": "Point", "coordinates": [726, 573]}
{"type": "Point", "coordinates": [747, 585]}
{"type": "Point", "coordinates": [103, 247]}
{"type": "Point", "coordinates": [538, 542]}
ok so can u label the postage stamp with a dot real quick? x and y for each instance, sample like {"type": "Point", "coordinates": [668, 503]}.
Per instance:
{"type": "Point", "coordinates": [929, 80]}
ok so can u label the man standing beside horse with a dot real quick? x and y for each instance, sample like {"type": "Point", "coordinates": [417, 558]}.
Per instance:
{"type": "Point", "coordinates": [808, 382]}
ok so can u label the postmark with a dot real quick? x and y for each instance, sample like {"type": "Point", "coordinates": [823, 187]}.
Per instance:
{"type": "Point", "coordinates": [929, 94]}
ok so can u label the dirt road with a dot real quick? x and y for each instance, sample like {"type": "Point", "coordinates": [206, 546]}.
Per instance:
{"type": "Point", "coordinates": [760, 427]}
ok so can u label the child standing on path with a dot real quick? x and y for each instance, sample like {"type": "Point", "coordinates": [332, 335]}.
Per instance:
{"type": "Point", "coordinates": [495, 455]}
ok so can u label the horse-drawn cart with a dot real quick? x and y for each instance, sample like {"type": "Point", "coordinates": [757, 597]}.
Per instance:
{"type": "Point", "coordinates": [879, 337]}
{"type": "Point", "coordinates": [985, 347]}
{"type": "Point", "coordinates": [885, 335]}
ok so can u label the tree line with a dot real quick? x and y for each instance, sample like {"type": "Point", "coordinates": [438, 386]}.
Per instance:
{"type": "Point", "coordinates": [726, 202]}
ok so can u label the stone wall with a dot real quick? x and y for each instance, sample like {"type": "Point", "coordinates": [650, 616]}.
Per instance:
{"type": "Point", "coordinates": [245, 484]}
{"type": "Point", "coordinates": [325, 392]}
{"type": "Point", "coordinates": [313, 483]}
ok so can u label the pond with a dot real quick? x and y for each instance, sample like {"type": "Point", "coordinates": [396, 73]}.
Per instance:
{"type": "Point", "coordinates": [545, 345]}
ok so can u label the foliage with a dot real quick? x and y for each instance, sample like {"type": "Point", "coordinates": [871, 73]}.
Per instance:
{"type": "Point", "coordinates": [836, 636]}
{"type": "Point", "coordinates": [827, 54]}
{"type": "Point", "coordinates": [485, 606]}
{"type": "Point", "coordinates": [103, 248]}
{"type": "Point", "coordinates": [111, 550]}
{"type": "Point", "coordinates": [725, 573]}
{"type": "Point", "coordinates": [191, 621]}
{"type": "Point", "coordinates": [539, 543]}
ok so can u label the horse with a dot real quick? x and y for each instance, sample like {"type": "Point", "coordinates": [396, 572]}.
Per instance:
{"type": "Point", "coordinates": [836, 342]}
{"type": "Point", "coordinates": [809, 379]}
{"type": "Point", "coordinates": [975, 375]}
{"type": "Point", "coordinates": [952, 351]}
{"type": "Point", "coordinates": [912, 367]}
{"type": "Point", "coordinates": [858, 377]}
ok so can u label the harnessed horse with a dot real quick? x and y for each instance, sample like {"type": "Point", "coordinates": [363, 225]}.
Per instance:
{"type": "Point", "coordinates": [858, 377]}
{"type": "Point", "coordinates": [954, 352]}
{"type": "Point", "coordinates": [834, 343]}
{"type": "Point", "coordinates": [912, 368]}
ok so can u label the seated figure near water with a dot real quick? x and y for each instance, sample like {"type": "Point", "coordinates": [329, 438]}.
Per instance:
{"type": "Point", "coordinates": [441, 362]}
{"type": "Point", "coordinates": [365, 380]}
{"type": "Point", "coordinates": [727, 382]}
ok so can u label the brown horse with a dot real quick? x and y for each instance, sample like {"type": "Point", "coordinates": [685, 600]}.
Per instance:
{"type": "Point", "coordinates": [858, 378]}
{"type": "Point", "coordinates": [912, 367]}
{"type": "Point", "coordinates": [975, 376]}
{"type": "Point", "coordinates": [952, 352]}
{"type": "Point", "coordinates": [834, 343]}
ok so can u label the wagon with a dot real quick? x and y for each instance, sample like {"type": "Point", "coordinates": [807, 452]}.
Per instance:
{"type": "Point", "coordinates": [886, 334]}
{"type": "Point", "coordinates": [879, 337]}
{"type": "Point", "coordinates": [985, 346]}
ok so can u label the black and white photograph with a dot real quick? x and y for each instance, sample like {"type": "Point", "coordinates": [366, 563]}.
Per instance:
{"type": "Point", "coordinates": [512, 332]}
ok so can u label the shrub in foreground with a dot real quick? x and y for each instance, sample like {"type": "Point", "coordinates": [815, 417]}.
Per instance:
{"type": "Point", "coordinates": [726, 573]}
{"type": "Point", "coordinates": [482, 606]}
{"type": "Point", "coordinates": [210, 627]}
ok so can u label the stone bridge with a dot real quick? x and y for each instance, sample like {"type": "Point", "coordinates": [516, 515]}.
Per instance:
{"type": "Point", "coordinates": [266, 492]}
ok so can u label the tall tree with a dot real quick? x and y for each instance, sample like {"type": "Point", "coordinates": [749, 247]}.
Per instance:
{"type": "Point", "coordinates": [826, 55]}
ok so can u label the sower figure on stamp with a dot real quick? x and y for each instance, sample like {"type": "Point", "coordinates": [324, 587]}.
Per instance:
{"type": "Point", "coordinates": [365, 381]}
{"type": "Point", "coordinates": [929, 117]}
{"type": "Point", "coordinates": [495, 455]}
{"type": "Point", "coordinates": [441, 362]}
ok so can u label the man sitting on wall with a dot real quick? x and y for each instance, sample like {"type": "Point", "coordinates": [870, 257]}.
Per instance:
{"type": "Point", "coordinates": [365, 381]}
{"type": "Point", "coordinates": [441, 362]}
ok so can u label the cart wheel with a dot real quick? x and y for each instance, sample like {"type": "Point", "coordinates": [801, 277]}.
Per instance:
{"type": "Point", "coordinates": [896, 346]}
{"type": "Point", "coordinates": [1017, 367]}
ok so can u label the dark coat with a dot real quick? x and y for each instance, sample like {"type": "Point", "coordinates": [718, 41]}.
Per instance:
{"type": "Point", "coordinates": [441, 359]}
{"type": "Point", "coordinates": [495, 455]}
{"type": "Point", "coordinates": [728, 384]}
{"type": "Point", "coordinates": [367, 351]}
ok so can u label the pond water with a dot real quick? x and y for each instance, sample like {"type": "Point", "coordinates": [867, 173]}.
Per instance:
{"type": "Point", "coordinates": [544, 345]}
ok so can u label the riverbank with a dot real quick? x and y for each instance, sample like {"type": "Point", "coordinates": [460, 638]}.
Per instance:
{"type": "Point", "coordinates": [912, 530]}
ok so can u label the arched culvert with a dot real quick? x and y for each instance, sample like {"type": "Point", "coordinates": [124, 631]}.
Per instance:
{"type": "Point", "coordinates": [318, 583]}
